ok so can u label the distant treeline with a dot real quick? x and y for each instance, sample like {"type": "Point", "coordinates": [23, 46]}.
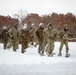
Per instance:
{"type": "Point", "coordinates": [58, 20]}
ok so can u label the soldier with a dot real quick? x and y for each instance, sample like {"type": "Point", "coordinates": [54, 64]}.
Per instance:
{"type": "Point", "coordinates": [14, 35]}
{"type": "Point", "coordinates": [63, 34]}
{"type": "Point", "coordinates": [31, 33]}
{"type": "Point", "coordinates": [39, 34]}
{"type": "Point", "coordinates": [45, 38]}
{"type": "Point", "coordinates": [51, 35]}
{"type": "Point", "coordinates": [5, 36]}
{"type": "Point", "coordinates": [10, 41]}
{"type": "Point", "coordinates": [25, 38]}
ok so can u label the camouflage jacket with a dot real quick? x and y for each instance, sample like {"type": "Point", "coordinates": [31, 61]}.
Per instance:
{"type": "Point", "coordinates": [63, 34]}
{"type": "Point", "coordinates": [51, 34]}
{"type": "Point", "coordinates": [31, 31]}
{"type": "Point", "coordinates": [14, 34]}
{"type": "Point", "coordinates": [45, 32]}
{"type": "Point", "coordinates": [24, 35]}
{"type": "Point", "coordinates": [39, 33]}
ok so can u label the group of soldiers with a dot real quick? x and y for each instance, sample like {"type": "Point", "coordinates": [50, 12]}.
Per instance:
{"type": "Point", "coordinates": [44, 37]}
{"type": "Point", "coordinates": [47, 36]}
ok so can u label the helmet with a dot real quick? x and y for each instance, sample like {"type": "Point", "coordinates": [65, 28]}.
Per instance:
{"type": "Point", "coordinates": [41, 24]}
{"type": "Point", "coordinates": [49, 25]}
{"type": "Point", "coordinates": [25, 26]}
{"type": "Point", "coordinates": [66, 25]}
{"type": "Point", "coordinates": [16, 24]}
{"type": "Point", "coordinates": [32, 24]}
{"type": "Point", "coordinates": [4, 27]}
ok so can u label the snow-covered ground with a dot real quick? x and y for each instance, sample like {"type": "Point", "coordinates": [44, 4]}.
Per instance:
{"type": "Point", "coordinates": [31, 63]}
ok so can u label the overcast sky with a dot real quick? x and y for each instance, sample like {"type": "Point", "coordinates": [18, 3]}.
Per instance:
{"type": "Point", "coordinates": [10, 7]}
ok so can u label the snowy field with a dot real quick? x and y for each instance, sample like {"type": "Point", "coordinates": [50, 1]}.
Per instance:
{"type": "Point", "coordinates": [31, 63]}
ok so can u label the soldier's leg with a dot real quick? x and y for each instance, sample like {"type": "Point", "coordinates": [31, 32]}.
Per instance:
{"type": "Point", "coordinates": [5, 44]}
{"type": "Point", "coordinates": [60, 49]}
{"type": "Point", "coordinates": [25, 46]}
{"type": "Point", "coordinates": [51, 47]}
{"type": "Point", "coordinates": [14, 45]}
{"type": "Point", "coordinates": [22, 48]}
{"type": "Point", "coordinates": [17, 44]}
{"type": "Point", "coordinates": [10, 44]}
{"type": "Point", "coordinates": [40, 47]}
{"type": "Point", "coordinates": [61, 46]}
{"type": "Point", "coordinates": [44, 44]}
{"type": "Point", "coordinates": [36, 43]}
{"type": "Point", "coordinates": [67, 48]}
{"type": "Point", "coordinates": [32, 40]}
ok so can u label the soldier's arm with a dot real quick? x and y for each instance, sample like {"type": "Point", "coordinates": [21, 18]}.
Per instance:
{"type": "Point", "coordinates": [70, 34]}
{"type": "Point", "coordinates": [59, 33]}
{"type": "Point", "coordinates": [65, 36]}
{"type": "Point", "coordinates": [55, 34]}
{"type": "Point", "coordinates": [44, 33]}
{"type": "Point", "coordinates": [10, 33]}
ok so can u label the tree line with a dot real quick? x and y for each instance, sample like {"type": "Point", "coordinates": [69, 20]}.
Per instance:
{"type": "Point", "coordinates": [58, 20]}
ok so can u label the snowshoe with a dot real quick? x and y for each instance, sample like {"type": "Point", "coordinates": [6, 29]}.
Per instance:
{"type": "Point", "coordinates": [67, 55]}
{"type": "Point", "coordinates": [51, 55]}
{"type": "Point", "coordinates": [41, 54]}
{"type": "Point", "coordinates": [60, 54]}
{"type": "Point", "coordinates": [24, 50]}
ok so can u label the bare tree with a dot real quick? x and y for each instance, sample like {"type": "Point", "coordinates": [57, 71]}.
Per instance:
{"type": "Point", "coordinates": [22, 14]}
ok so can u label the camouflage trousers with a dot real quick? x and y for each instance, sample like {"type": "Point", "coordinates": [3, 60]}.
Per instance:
{"type": "Point", "coordinates": [64, 42]}
{"type": "Point", "coordinates": [32, 40]}
{"type": "Point", "coordinates": [44, 43]}
{"type": "Point", "coordinates": [36, 42]}
{"type": "Point", "coordinates": [50, 46]}
{"type": "Point", "coordinates": [40, 49]}
{"type": "Point", "coordinates": [5, 44]}
{"type": "Point", "coordinates": [15, 45]}
{"type": "Point", "coordinates": [24, 46]}
{"type": "Point", "coordinates": [10, 43]}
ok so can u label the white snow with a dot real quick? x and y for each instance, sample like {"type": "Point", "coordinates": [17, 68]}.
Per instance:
{"type": "Point", "coordinates": [31, 63]}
